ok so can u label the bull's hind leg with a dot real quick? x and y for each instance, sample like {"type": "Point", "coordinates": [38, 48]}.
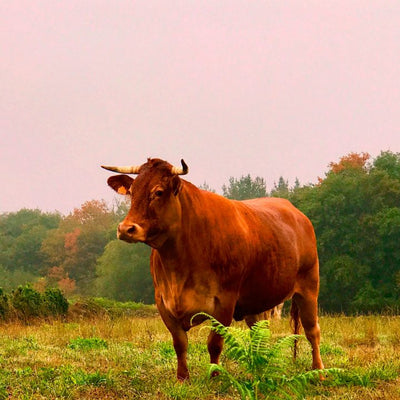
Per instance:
{"type": "Point", "coordinates": [214, 344]}
{"type": "Point", "coordinates": [215, 341]}
{"type": "Point", "coordinates": [308, 308]}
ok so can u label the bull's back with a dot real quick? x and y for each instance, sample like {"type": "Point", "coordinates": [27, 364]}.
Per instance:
{"type": "Point", "coordinates": [289, 226]}
{"type": "Point", "coordinates": [240, 232]}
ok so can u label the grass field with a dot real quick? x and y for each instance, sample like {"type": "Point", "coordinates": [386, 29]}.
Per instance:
{"type": "Point", "coordinates": [131, 357]}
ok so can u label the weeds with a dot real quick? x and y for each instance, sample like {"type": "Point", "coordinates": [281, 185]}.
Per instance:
{"type": "Point", "coordinates": [87, 343]}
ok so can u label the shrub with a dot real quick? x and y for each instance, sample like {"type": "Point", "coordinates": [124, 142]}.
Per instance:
{"type": "Point", "coordinates": [4, 306]}
{"type": "Point", "coordinates": [54, 303]}
{"type": "Point", "coordinates": [27, 302]}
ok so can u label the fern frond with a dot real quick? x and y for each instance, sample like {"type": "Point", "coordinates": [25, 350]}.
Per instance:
{"type": "Point", "coordinates": [234, 339]}
{"type": "Point", "coordinates": [242, 388]}
{"type": "Point", "coordinates": [280, 346]}
{"type": "Point", "coordinates": [272, 362]}
{"type": "Point", "coordinates": [260, 337]}
{"type": "Point", "coordinates": [296, 385]}
{"type": "Point", "coordinates": [285, 391]}
{"type": "Point", "coordinates": [286, 342]}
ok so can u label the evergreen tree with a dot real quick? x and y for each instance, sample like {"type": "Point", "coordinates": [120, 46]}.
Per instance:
{"type": "Point", "coordinates": [207, 187]}
{"type": "Point", "coordinates": [281, 189]}
{"type": "Point", "coordinates": [245, 188]}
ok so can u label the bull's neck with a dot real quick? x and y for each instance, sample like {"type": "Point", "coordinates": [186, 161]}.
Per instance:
{"type": "Point", "coordinates": [194, 236]}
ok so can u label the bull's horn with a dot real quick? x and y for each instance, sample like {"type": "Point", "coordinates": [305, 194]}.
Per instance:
{"type": "Point", "coordinates": [133, 169]}
{"type": "Point", "coordinates": [181, 170]}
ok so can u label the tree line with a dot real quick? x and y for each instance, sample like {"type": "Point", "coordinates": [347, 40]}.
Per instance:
{"type": "Point", "coordinates": [355, 210]}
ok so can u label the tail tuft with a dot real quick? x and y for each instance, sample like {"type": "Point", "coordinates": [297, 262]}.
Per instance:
{"type": "Point", "coordinates": [295, 324]}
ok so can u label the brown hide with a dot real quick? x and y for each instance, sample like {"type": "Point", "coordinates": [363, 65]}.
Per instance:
{"type": "Point", "coordinates": [230, 259]}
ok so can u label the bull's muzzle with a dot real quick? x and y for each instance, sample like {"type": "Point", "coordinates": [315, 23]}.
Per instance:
{"type": "Point", "coordinates": [131, 233]}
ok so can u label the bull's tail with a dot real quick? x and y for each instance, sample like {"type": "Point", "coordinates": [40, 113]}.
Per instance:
{"type": "Point", "coordinates": [295, 324]}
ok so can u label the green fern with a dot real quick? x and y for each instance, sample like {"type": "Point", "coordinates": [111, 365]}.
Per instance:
{"type": "Point", "coordinates": [263, 364]}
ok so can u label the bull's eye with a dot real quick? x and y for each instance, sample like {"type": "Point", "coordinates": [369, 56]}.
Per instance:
{"type": "Point", "coordinates": [158, 193]}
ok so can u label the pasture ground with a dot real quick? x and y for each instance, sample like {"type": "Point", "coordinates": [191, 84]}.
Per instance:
{"type": "Point", "coordinates": [129, 357]}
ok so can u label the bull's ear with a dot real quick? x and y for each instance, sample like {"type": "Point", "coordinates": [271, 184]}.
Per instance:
{"type": "Point", "coordinates": [176, 184]}
{"type": "Point", "coordinates": [120, 183]}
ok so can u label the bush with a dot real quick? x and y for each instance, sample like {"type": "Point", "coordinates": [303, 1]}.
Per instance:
{"type": "Point", "coordinates": [4, 306]}
{"type": "Point", "coordinates": [27, 302]}
{"type": "Point", "coordinates": [54, 303]}
{"type": "Point", "coordinates": [371, 300]}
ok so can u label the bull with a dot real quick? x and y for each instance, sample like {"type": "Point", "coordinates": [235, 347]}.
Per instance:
{"type": "Point", "coordinates": [230, 259]}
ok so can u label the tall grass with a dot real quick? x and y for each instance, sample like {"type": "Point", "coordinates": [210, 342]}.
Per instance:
{"type": "Point", "coordinates": [130, 357]}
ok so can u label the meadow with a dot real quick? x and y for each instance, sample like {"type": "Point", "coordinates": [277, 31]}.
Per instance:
{"type": "Point", "coordinates": [112, 355]}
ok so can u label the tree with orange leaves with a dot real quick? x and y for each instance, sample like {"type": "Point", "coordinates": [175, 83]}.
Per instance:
{"type": "Point", "coordinates": [350, 161]}
{"type": "Point", "coordinates": [77, 243]}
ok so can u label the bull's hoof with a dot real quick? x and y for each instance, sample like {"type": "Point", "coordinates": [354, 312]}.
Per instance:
{"type": "Point", "coordinates": [214, 374]}
{"type": "Point", "coordinates": [182, 377]}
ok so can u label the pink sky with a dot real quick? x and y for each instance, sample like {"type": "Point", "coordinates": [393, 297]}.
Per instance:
{"type": "Point", "coordinates": [269, 88]}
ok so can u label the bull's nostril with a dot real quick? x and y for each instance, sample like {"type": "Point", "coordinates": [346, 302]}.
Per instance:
{"type": "Point", "coordinates": [131, 230]}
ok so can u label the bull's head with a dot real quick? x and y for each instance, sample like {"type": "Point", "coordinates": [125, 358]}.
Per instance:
{"type": "Point", "coordinates": [155, 208]}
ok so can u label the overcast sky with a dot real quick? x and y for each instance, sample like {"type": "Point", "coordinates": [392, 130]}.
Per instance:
{"type": "Point", "coordinates": [268, 88]}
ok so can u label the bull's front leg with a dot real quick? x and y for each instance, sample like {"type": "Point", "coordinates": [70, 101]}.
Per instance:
{"type": "Point", "coordinates": [180, 340]}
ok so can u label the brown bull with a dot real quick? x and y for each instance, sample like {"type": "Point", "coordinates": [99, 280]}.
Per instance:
{"type": "Point", "coordinates": [230, 259]}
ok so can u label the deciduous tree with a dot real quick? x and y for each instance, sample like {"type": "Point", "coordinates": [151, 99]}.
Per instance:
{"type": "Point", "coordinates": [123, 272]}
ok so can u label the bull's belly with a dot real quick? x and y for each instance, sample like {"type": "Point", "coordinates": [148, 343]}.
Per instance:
{"type": "Point", "coordinates": [242, 311]}
{"type": "Point", "coordinates": [259, 298]}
